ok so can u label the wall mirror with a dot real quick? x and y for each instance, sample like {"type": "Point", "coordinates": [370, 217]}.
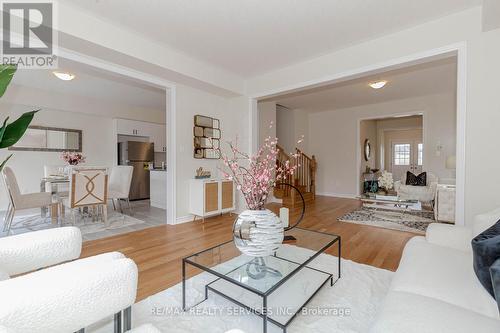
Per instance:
{"type": "Point", "coordinates": [211, 154]}
{"type": "Point", "coordinates": [367, 150]}
{"type": "Point", "coordinates": [211, 133]}
{"type": "Point", "coordinates": [50, 139]}
{"type": "Point", "coordinates": [207, 136]}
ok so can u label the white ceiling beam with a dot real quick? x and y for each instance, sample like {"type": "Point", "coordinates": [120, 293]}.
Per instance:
{"type": "Point", "coordinates": [86, 27]}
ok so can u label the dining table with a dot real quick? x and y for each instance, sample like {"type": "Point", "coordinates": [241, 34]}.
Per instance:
{"type": "Point", "coordinates": [55, 181]}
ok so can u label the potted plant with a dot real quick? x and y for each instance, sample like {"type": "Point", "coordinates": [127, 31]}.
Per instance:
{"type": "Point", "coordinates": [386, 182]}
{"type": "Point", "coordinates": [72, 158]}
{"type": "Point", "coordinates": [10, 133]}
{"type": "Point", "coordinates": [257, 231]}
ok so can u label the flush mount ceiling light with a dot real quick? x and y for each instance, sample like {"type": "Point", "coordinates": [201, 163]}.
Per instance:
{"type": "Point", "coordinates": [378, 84]}
{"type": "Point", "coordinates": [64, 76]}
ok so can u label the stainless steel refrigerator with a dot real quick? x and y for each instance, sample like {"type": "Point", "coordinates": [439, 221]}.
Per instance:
{"type": "Point", "coordinates": [138, 155]}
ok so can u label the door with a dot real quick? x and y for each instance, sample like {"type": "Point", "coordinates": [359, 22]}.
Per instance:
{"type": "Point", "coordinates": [211, 197]}
{"type": "Point", "coordinates": [227, 194]}
{"type": "Point", "coordinates": [406, 156]}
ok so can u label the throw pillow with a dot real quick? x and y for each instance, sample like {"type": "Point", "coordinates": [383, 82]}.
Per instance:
{"type": "Point", "coordinates": [495, 279]}
{"type": "Point", "coordinates": [486, 250]}
{"type": "Point", "coordinates": [420, 180]}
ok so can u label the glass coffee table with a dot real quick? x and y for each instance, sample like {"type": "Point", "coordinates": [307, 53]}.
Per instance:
{"type": "Point", "coordinates": [275, 288]}
{"type": "Point", "coordinates": [390, 202]}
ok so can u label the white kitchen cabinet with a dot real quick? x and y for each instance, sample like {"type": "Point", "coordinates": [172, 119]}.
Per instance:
{"type": "Point", "coordinates": [159, 137]}
{"type": "Point", "coordinates": [132, 127]}
{"type": "Point", "coordinates": [155, 132]}
{"type": "Point", "coordinates": [158, 188]}
{"type": "Point", "coordinates": [208, 197]}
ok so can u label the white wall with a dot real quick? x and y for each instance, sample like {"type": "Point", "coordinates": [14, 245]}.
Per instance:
{"type": "Point", "coordinates": [234, 125]}
{"type": "Point", "coordinates": [267, 120]}
{"type": "Point", "coordinates": [98, 146]}
{"type": "Point", "coordinates": [93, 117]}
{"type": "Point", "coordinates": [483, 104]}
{"type": "Point", "coordinates": [291, 125]}
{"type": "Point", "coordinates": [368, 130]}
{"type": "Point", "coordinates": [334, 139]}
{"type": "Point", "coordinates": [23, 95]}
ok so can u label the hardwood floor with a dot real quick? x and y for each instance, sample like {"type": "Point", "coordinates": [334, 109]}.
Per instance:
{"type": "Point", "coordinates": [158, 251]}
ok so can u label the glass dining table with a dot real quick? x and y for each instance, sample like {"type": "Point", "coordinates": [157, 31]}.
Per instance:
{"type": "Point", "coordinates": [54, 182]}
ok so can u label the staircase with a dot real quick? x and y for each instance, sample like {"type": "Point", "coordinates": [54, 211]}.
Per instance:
{"type": "Point", "coordinates": [304, 178]}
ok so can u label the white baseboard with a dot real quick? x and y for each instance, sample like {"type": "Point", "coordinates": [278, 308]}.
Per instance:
{"type": "Point", "coordinates": [337, 195]}
{"type": "Point", "coordinates": [184, 219]}
{"type": "Point", "coordinates": [189, 218]}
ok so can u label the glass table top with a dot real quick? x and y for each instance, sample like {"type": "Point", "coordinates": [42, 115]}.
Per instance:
{"type": "Point", "coordinates": [262, 275]}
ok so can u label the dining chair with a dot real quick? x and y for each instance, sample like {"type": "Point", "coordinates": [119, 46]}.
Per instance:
{"type": "Point", "coordinates": [88, 188]}
{"type": "Point", "coordinates": [19, 201]}
{"type": "Point", "coordinates": [119, 185]}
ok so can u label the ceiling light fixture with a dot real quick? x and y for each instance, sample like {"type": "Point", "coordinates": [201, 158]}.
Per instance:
{"type": "Point", "coordinates": [64, 76]}
{"type": "Point", "coordinates": [378, 84]}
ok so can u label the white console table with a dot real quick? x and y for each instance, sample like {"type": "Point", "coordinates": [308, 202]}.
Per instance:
{"type": "Point", "coordinates": [209, 197]}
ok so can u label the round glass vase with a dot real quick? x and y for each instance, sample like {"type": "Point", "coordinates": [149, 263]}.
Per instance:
{"type": "Point", "coordinates": [258, 233]}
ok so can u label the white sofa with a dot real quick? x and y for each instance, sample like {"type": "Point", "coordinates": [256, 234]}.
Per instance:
{"type": "Point", "coordinates": [435, 288]}
{"type": "Point", "coordinates": [421, 193]}
{"type": "Point", "coordinates": [62, 298]}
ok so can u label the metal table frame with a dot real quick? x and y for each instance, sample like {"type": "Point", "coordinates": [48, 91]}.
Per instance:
{"type": "Point", "coordinates": [264, 295]}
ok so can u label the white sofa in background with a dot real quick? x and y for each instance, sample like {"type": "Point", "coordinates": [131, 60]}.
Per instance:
{"type": "Point", "coordinates": [62, 298]}
{"type": "Point", "coordinates": [435, 288]}
{"type": "Point", "coordinates": [423, 194]}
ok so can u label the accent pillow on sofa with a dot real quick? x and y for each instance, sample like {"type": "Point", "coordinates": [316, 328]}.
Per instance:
{"type": "Point", "coordinates": [413, 180]}
{"type": "Point", "coordinates": [495, 279]}
{"type": "Point", "coordinates": [486, 250]}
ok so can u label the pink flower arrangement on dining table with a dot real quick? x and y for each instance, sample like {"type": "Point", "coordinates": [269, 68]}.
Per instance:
{"type": "Point", "coordinates": [255, 176]}
{"type": "Point", "coordinates": [72, 158]}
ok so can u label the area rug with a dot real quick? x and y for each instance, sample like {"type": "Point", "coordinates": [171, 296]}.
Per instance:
{"type": "Point", "coordinates": [412, 221]}
{"type": "Point", "coordinates": [118, 223]}
{"type": "Point", "coordinates": [349, 306]}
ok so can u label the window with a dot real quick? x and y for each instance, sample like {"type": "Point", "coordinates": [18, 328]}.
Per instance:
{"type": "Point", "coordinates": [402, 154]}
{"type": "Point", "coordinates": [420, 153]}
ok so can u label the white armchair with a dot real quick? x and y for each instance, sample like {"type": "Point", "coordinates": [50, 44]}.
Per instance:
{"type": "Point", "coordinates": [421, 193]}
{"type": "Point", "coordinates": [66, 297]}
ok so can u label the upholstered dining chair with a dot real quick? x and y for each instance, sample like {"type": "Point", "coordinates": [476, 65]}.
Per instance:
{"type": "Point", "coordinates": [119, 185]}
{"type": "Point", "coordinates": [88, 187]}
{"type": "Point", "coordinates": [19, 201]}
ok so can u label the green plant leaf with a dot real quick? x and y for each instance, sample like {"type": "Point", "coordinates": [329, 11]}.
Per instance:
{"type": "Point", "coordinates": [4, 126]}
{"type": "Point", "coordinates": [6, 74]}
{"type": "Point", "coordinates": [15, 130]}
{"type": "Point", "coordinates": [4, 162]}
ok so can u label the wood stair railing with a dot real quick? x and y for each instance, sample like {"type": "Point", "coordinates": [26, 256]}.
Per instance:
{"type": "Point", "coordinates": [304, 177]}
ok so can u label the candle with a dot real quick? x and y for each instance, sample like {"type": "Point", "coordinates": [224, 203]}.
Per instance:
{"type": "Point", "coordinates": [284, 216]}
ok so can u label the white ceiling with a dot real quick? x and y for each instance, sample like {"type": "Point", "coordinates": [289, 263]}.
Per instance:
{"type": "Point", "coordinates": [250, 37]}
{"type": "Point", "coordinates": [420, 80]}
{"type": "Point", "coordinates": [94, 84]}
